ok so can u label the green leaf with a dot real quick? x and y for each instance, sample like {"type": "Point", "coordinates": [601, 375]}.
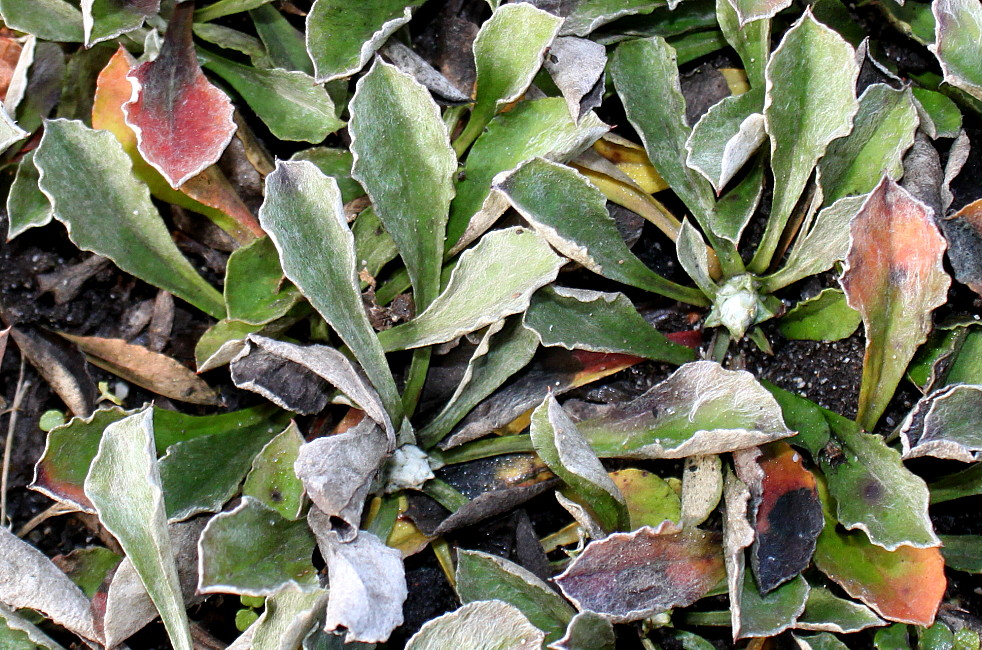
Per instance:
{"type": "Point", "coordinates": [272, 479]}
{"type": "Point", "coordinates": [962, 552]}
{"type": "Point", "coordinates": [87, 177]}
{"type": "Point", "coordinates": [587, 631]}
{"type": "Point", "coordinates": [735, 208]}
{"type": "Point", "coordinates": [764, 615]}
{"type": "Point", "coordinates": [494, 279]}
{"type": "Point", "coordinates": [252, 550]}
{"type": "Point", "coordinates": [124, 485]}
{"type": "Point", "coordinates": [542, 127]}
{"type": "Point", "coordinates": [233, 39]}
{"type": "Point", "coordinates": [103, 20]}
{"type": "Point", "coordinates": [958, 32]}
{"type": "Point", "coordinates": [571, 214]}
{"type": "Point", "coordinates": [936, 637]}
{"type": "Point", "coordinates": [944, 424]}
{"type": "Point", "coordinates": [578, 319]}
{"type": "Point", "coordinates": [882, 131]}
{"type": "Point", "coordinates": [826, 317]}
{"type": "Point", "coordinates": [965, 483]}
{"type": "Point", "coordinates": [508, 52]}
{"type": "Point", "coordinates": [335, 163]}
{"type": "Point", "coordinates": [340, 41]}
{"type": "Point", "coordinates": [374, 247]}
{"type": "Point", "coordinates": [570, 457]}
{"type": "Point", "coordinates": [255, 292]}
{"type": "Point", "coordinates": [940, 115]}
{"type": "Point", "coordinates": [17, 633]}
{"type": "Point", "coordinates": [650, 499]}
{"type": "Point", "coordinates": [88, 567]}
{"type": "Point", "coordinates": [588, 15]}
{"type": "Point", "coordinates": [225, 8]}
{"type": "Point", "coordinates": [824, 611]}
{"type": "Point", "coordinates": [821, 641]}
{"type": "Point", "coordinates": [201, 474]}
{"type": "Point", "coordinates": [288, 616]}
{"type": "Point", "coordinates": [693, 255]}
{"type": "Point", "coordinates": [481, 625]}
{"type": "Point", "coordinates": [404, 161]}
{"type": "Point", "coordinates": [27, 206]}
{"type": "Point", "coordinates": [725, 137]}
{"type": "Point", "coordinates": [49, 20]}
{"type": "Point", "coordinates": [283, 41]}
{"type": "Point", "coordinates": [290, 103]}
{"type": "Point", "coordinates": [304, 217]}
{"type": "Point", "coordinates": [481, 576]}
{"type": "Point", "coordinates": [500, 354]}
{"type": "Point", "coordinates": [894, 637]}
{"type": "Point", "coordinates": [700, 409]}
{"type": "Point", "coordinates": [647, 79]}
{"type": "Point", "coordinates": [751, 40]}
{"type": "Point", "coordinates": [810, 101]}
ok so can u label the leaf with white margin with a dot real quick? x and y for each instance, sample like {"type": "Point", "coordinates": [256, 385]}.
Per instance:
{"type": "Point", "coordinates": [17, 633]}
{"type": "Point", "coordinates": [580, 319]}
{"type": "Point", "coordinates": [587, 15]}
{"type": "Point", "coordinates": [481, 625]}
{"type": "Point", "coordinates": [128, 607]}
{"type": "Point", "coordinates": [481, 576]}
{"type": "Point", "coordinates": [753, 10]}
{"type": "Point", "coordinates": [702, 488]}
{"type": "Point", "coordinates": [738, 534]}
{"type": "Point", "coordinates": [103, 20]}
{"type": "Point", "coordinates": [253, 551]}
{"type": "Point", "coordinates": [285, 621]}
{"type": "Point", "coordinates": [401, 146]}
{"type": "Point", "coordinates": [700, 409]}
{"type": "Point", "coordinates": [944, 424]}
{"type": "Point", "coordinates": [86, 176]}
{"type": "Point", "coordinates": [577, 67]}
{"type": "Point", "coordinates": [769, 615]}
{"type": "Point", "coordinates": [882, 131]}
{"type": "Point", "coordinates": [326, 362]}
{"type": "Point", "coordinates": [587, 631]}
{"type": "Point", "coordinates": [502, 352]}
{"type": "Point", "coordinates": [29, 579]}
{"type": "Point", "coordinates": [957, 34]}
{"type": "Point", "coordinates": [494, 279]}
{"type": "Point", "coordinates": [341, 41]}
{"type": "Point", "coordinates": [304, 216]}
{"type": "Point", "coordinates": [124, 486]}
{"type": "Point", "coordinates": [751, 40]}
{"type": "Point", "coordinates": [826, 612]}
{"type": "Point", "coordinates": [738, 205]}
{"type": "Point", "coordinates": [690, 248]}
{"type": "Point", "coordinates": [508, 52]}
{"type": "Point", "coordinates": [540, 127]}
{"type": "Point", "coordinates": [821, 641]}
{"type": "Point", "coordinates": [571, 214]}
{"type": "Point", "coordinates": [27, 206]}
{"type": "Point", "coordinates": [825, 243]}
{"type": "Point", "coordinates": [49, 20]}
{"type": "Point", "coordinates": [9, 131]}
{"type": "Point", "coordinates": [810, 100]}
{"type": "Point", "coordinates": [368, 582]}
{"type": "Point", "coordinates": [630, 576]}
{"type": "Point", "coordinates": [725, 137]}
{"type": "Point", "coordinates": [570, 457]}
{"type": "Point", "coordinates": [337, 472]}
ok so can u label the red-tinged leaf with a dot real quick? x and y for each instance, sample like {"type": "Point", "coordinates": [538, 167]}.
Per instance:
{"type": "Point", "coordinates": [894, 277]}
{"type": "Point", "coordinates": [905, 585]}
{"type": "Point", "coordinates": [182, 122]}
{"type": "Point", "coordinates": [209, 193]}
{"type": "Point", "coordinates": [630, 576]}
{"type": "Point", "coordinates": [964, 233]}
{"type": "Point", "coordinates": [788, 515]}
{"type": "Point", "coordinates": [151, 370]}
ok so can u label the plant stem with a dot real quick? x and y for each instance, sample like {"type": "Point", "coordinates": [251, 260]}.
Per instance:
{"type": "Point", "coordinates": [445, 494]}
{"type": "Point", "coordinates": [484, 449]}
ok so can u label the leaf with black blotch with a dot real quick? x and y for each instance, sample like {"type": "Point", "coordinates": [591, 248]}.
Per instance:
{"type": "Point", "coordinates": [895, 277]}
{"type": "Point", "coordinates": [272, 479]}
{"type": "Point", "coordinates": [629, 576]}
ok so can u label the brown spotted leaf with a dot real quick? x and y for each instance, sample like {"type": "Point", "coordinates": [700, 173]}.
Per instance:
{"type": "Point", "coordinates": [182, 122]}
{"type": "Point", "coordinates": [630, 576]}
{"type": "Point", "coordinates": [894, 277]}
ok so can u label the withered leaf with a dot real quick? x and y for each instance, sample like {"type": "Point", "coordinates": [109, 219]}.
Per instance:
{"type": "Point", "coordinates": [894, 277]}
{"type": "Point", "coordinates": [963, 230]}
{"type": "Point", "coordinates": [61, 366]}
{"type": "Point", "coordinates": [629, 576]}
{"type": "Point", "coordinates": [944, 424]}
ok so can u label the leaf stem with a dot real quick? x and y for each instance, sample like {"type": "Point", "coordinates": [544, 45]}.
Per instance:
{"type": "Point", "coordinates": [484, 449]}
{"type": "Point", "coordinates": [445, 494]}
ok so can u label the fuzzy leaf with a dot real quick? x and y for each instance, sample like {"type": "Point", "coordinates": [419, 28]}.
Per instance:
{"type": "Point", "coordinates": [943, 424]}
{"type": "Point", "coordinates": [894, 277]}
{"type": "Point", "coordinates": [826, 317]}
{"type": "Point", "coordinates": [587, 631]}
{"type": "Point", "coordinates": [253, 551]}
{"type": "Point", "coordinates": [958, 31]}
{"type": "Point", "coordinates": [570, 457]}
{"type": "Point", "coordinates": [481, 577]}
{"type": "Point", "coordinates": [401, 145]}
{"type": "Point", "coordinates": [49, 20]}
{"type": "Point", "coordinates": [126, 465]}
{"type": "Point", "coordinates": [84, 173]}
{"type": "Point", "coordinates": [750, 38]}
{"type": "Point", "coordinates": [702, 488]}
{"type": "Point", "coordinates": [650, 499]}
{"type": "Point", "coordinates": [182, 122]}
{"type": "Point", "coordinates": [725, 137]}
{"type": "Point", "coordinates": [255, 292]}
{"type": "Point", "coordinates": [577, 66]}
{"type": "Point", "coordinates": [481, 625]}
{"type": "Point", "coordinates": [601, 322]}
{"type": "Point", "coordinates": [103, 20]}
{"type": "Point", "coordinates": [810, 101]}
{"type": "Point", "coordinates": [368, 583]}
{"type": "Point", "coordinates": [571, 214]}
{"type": "Point", "coordinates": [753, 10]}
{"type": "Point", "coordinates": [290, 103]}
{"type": "Point", "coordinates": [17, 633]}
{"type": "Point", "coordinates": [826, 612]}
{"type": "Point", "coordinates": [340, 41]}
{"type": "Point", "coordinates": [272, 479]}
{"type": "Point", "coordinates": [700, 409]}
{"type": "Point", "coordinates": [494, 279]}
{"type": "Point", "coordinates": [508, 52]}
{"type": "Point", "coordinates": [940, 116]}
{"type": "Point", "coordinates": [317, 254]}
{"type": "Point", "coordinates": [286, 619]}
{"type": "Point", "coordinates": [629, 576]}
{"type": "Point", "coordinates": [542, 127]}
{"type": "Point", "coordinates": [27, 206]}
{"type": "Point", "coordinates": [768, 615]}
